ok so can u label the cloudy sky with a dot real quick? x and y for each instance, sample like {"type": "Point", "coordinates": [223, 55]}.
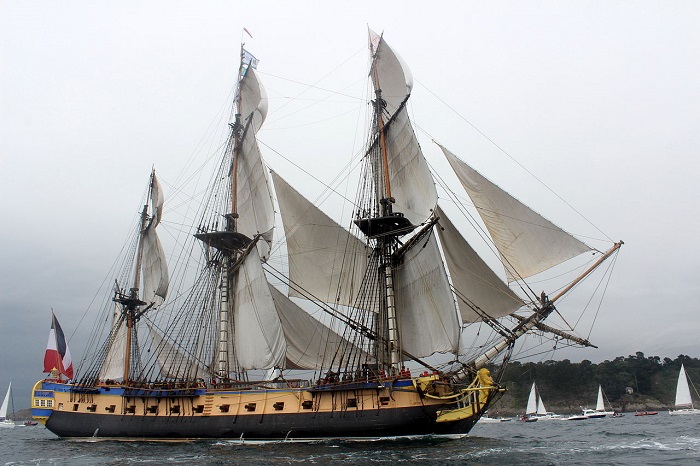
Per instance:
{"type": "Point", "coordinates": [599, 100]}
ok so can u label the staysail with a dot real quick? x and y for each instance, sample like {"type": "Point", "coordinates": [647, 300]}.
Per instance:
{"type": "Point", "coordinates": [173, 362]}
{"type": "Point", "coordinates": [527, 242]}
{"type": "Point", "coordinates": [480, 292]}
{"type": "Point", "coordinates": [113, 365]}
{"type": "Point", "coordinates": [325, 260]}
{"type": "Point", "coordinates": [310, 343]}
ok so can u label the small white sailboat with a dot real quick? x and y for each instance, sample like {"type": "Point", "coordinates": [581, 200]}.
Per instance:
{"type": "Point", "coordinates": [531, 408]}
{"type": "Point", "coordinates": [4, 421]}
{"type": "Point", "coordinates": [599, 410]}
{"type": "Point", "coordinates": [684, 403]}
{"type": "Point", "coordinates": [535, 409]}
{"type": "Point", "coordinates": [542, 413]}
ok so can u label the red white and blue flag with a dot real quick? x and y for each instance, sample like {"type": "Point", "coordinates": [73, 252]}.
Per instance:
{"type": "Point", "coordinates": [57, 354]}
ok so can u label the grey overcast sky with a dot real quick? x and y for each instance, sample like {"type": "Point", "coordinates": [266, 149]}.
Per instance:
{"type": "Point", "coordinates": [600, 100]}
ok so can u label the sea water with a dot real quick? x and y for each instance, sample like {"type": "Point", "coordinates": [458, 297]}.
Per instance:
{"type": "Point", "coordinates": [661, 439]}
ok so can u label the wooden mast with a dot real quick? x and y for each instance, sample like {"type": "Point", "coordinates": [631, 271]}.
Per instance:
{"type": "Point", "coordinates": [386, 243]}
{"type": "Point", "coordinates": [232, 226]}
{"type": "Point", "coordinates": [132, 302]}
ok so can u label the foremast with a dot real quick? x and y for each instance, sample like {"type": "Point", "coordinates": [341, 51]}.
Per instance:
{"type": "Point", "coordinates": [383, 225]}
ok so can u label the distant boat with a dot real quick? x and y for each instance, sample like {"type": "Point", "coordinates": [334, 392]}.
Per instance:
{"type": "Point", "coordinates": [531, 408]}
{"type": "Point", "coordinates": [486, 419]}
{"type": "Point", "coordinates": [646, 413]}
{"type": "Point", "coordinates": [4, 421]}
{"type": "Point", "coordinates": [535, 407]}
{"type": "Point", "coordinates": [684, 403]}
{"type": "Point", "coordinates": [599, 410]}
{"type": "Point", "coordinates": [575, 417]}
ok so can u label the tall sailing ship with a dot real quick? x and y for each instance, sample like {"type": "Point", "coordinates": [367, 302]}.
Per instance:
{"type": "Point", "coordinates": [221, 356]}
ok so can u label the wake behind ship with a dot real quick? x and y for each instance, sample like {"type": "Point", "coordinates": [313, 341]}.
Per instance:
{"type": "Point", "coordinates": [220, 357]}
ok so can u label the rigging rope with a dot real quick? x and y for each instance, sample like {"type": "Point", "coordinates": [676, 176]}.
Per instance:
{"type": "Point", "coordinates": [512, 158]}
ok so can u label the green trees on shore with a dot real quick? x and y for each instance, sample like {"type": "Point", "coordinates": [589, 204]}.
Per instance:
{"type": "Point", "coordinates": [624, 380]}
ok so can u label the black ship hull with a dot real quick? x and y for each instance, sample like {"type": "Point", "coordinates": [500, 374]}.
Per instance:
{"type": "Point", "coordinates": [372, 423]}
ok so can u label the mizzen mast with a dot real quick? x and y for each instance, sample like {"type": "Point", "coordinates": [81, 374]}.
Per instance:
{"type": "Point", "coordinates": [132, 302]}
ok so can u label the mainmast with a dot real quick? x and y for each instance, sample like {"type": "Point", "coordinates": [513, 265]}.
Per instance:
{"type": "Point", "coordinates": [231, 226]}
{"type": "Point", "coordinates": [230, 242]}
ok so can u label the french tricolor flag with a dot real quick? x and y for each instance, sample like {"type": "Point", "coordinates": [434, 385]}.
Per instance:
{"type": "Point", "coordinates": [57, 353]}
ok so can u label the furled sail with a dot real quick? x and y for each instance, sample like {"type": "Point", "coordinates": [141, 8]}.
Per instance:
{"type": "Point", "coordinates": [426, 311]}
{"type": "Point", "coordinates": [113, 364]}
{"type": "Point", "coordinates": [254, 198]}
{"type": "Point", "coordinates": [412, 185]}
{"type": "Point", "coordinates": [258, 338]}
{"type": "Point", "coordinates": [475, 284]}
{"type": "Point", "coordinates": [528, 243]}
{"type": "Point", "coordinates": [153, 263]}
{"type": "Point", "coordinates": [325, 260]}
{"type": "Point", "coordinates": [310, 343]}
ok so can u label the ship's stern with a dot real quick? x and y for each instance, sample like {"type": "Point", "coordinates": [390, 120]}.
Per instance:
{"type": "Point", "coordinates": [42, 402]}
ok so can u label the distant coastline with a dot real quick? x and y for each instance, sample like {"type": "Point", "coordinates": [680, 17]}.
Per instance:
{"type": "Point", "coordinates": [632, 383]}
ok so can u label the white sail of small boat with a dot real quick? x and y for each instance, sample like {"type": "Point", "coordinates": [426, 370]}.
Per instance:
{"type": "Point", "coordinates": [541, 410]}
{"type": "Point", "coordinates": [532, 401]}
{"type": "Point", "coordinates": [4, 421]}
{"type": "Point", "coordinates": [684, 402]}
{"type": "Point", "coordinates": [531, 408]}
{"type": "Point", "coordinates": [536, 409]}
{"type": "Point", "coordinates": [599, 411]}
